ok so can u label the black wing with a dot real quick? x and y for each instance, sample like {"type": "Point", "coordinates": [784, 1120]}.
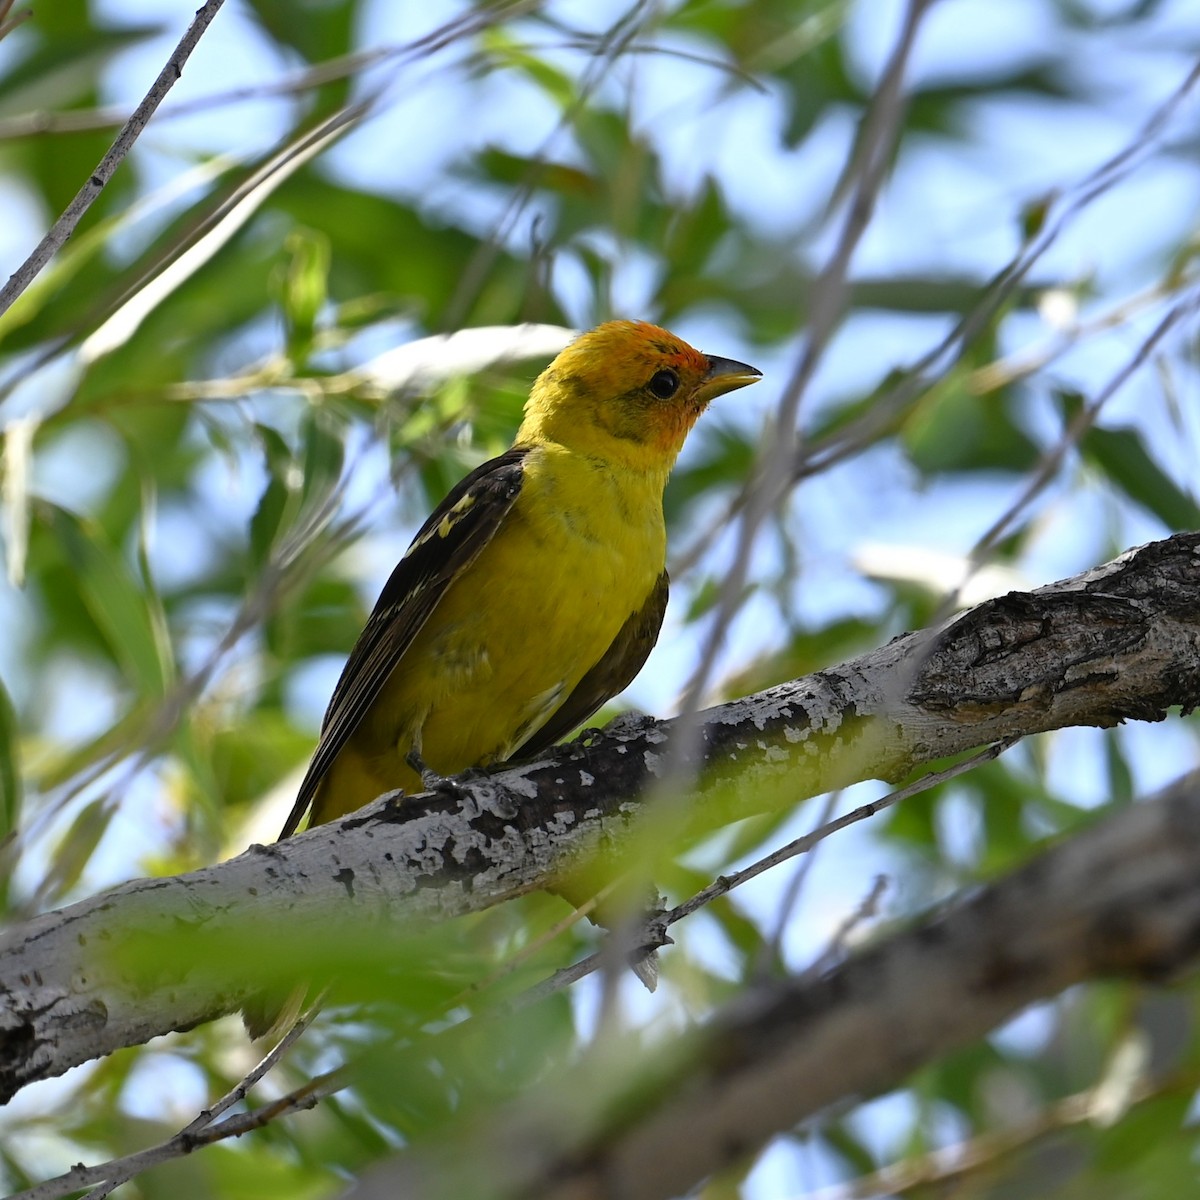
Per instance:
{"type": "Point", "coordinates": [457, 530]}
{"type": "Point", "coordinates": [612, 674]}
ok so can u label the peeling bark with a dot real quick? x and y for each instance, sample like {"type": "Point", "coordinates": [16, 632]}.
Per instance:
{"type": "Point", "coordinates": [1118, 642]}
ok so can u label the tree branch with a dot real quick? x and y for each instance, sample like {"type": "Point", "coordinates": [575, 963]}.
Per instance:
{"type": "Point", "coordinates": [1118, 900]}
{"type": "Point", "coordinates": [1120, 641]}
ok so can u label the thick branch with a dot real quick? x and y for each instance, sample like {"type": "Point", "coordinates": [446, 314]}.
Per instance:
{"type": "Point", "coordinates": [1121, 641]}
{"type": "Point", "coordinates": [1118, 900]}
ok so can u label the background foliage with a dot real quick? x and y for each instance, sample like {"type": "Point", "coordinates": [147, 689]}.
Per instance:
{"type": "Point", "coordinates": [209, 470]}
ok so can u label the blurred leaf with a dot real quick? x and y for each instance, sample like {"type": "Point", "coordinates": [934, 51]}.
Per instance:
{"type": "Point", "coordinates": [10, 766]}
{"type": "Point", "coordinates": [302, 287]}
{"type": "Point", "coordinates": [1122, 455]}
{"type": "Point", "coordinates": [724, 459]}
{"type": "Point", "coordinates": [562, 179]}
{"type": "Point", "coordinates": [76, 847]}
{"type": "Point", "coordinates": [955, 430]}
{"type": "Point", "coordinates": [324, 619]}
{"type": "Point", "coordinates": [251, 755]}
{"type": "Point", "coordinates": [65, 67]}
{"type": "Point", "coordinates": [324, 455]}
{"type": "Point", "coordinates": [380, 245]}
{"type": "Point", "coordinates": [320, 31]}
{"type": "Point", "coordinates": [113, 598]}
{"type": "Point", "coordinates": [1120, 776]}
{"type": "Point", "coordinates": [1144, 1132]}
{"type": "Point", "coordinates": [500, 46]}
{"type": "Point", "coordinates": [244, 1172]}
{"type": "Point", "coordinates": [268, 518]}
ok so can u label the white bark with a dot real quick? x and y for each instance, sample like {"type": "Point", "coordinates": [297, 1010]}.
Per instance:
{"type": "Point", "coordinates": [1121, 641]}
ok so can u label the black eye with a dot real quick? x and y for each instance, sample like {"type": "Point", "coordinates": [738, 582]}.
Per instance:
{"type": "Point", "coordinates": [665, 384]}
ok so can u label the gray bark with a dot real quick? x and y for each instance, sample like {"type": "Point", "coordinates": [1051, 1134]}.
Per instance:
{"type": "Point", "coordinates": [1121, 641]}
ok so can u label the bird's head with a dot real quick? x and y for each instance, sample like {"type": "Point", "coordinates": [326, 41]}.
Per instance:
{"type": "Point", "coordinates": [629, 392]}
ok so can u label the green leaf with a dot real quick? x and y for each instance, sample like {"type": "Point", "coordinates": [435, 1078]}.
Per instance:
{"type": "Point", "coordinates": [955, 429]}
{"type": "Point", "coordinates": [302, 288]}
{"type": "Point", "coordinates": [324, 456]}
{"type": "Point", "coordinates": [110, 592]}
{"type": "Point", "coordinates": [1122, 455]}
{"type": "Point", "coordinates": [1120, 775]}
{"type": "Point", "coordinates": [10, 765]}
{"type": "Point", "coordinates": [250, 756]}
{"type": "Point", "coordinates": [318, 30]}
{"type": "Point", "coordinates": [268, 518]}
{"type": "Point", "coordinates": [74, 852]}
{"type": "Point", "coordinates": [505, 51]}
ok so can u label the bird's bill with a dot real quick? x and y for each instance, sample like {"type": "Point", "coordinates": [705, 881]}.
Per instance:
{"type": "Point", "coordinates": [726, 375]}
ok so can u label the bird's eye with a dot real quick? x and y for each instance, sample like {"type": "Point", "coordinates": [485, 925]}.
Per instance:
{"type": "Point", "coordinates": [664, 384]}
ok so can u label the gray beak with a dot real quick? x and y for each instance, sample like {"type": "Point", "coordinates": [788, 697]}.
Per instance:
{"type": "Point", "coordinates": [726, 375]}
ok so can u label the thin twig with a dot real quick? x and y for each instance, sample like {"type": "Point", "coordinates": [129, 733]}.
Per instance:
{"type": "Point", "coordinates": [7, 23]}
{"type": "Point", "coordinates": [1083, 421]}
{"type": "Point", "coordinates": [343, 66]}
{"type": "Point", "coordinates": [204, 1130]}
{"type": "Point", "coordinates": [62, 229]}
{"type": "Point", "coordinates": [867, 908]}
{"type": "Point", "coordinates": [880, 130]}
{"type": "Point", "coordinates": [609, 48]}
{"type": "Point", "coordinates": [110, 1175]}
{"type": "Point", "coordinates": [813, 458]}
{"type": "Point", "coordinates": [974, 1154]}
{"type": "Point", "coordinates": [769, 952]}
{"type": "Point", "coordinates": [653, 932]}
{"type": "Point", "coordinates": [552, 934]}
{"type": "Point", "coordinates": [237, 1094]}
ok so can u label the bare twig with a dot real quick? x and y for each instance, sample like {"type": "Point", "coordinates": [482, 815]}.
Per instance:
{"type": "Point", "coordinates": [609, 48]}
{"type": "Point", "coordinates": [110, 1175]}
{"type": "Point", "coordinates": [828, 298]}
{"type": "Point", "coordinates": [769, 951]}
{"type": "Point", "coordinates": [205, 1129]}
{"type": "Point", "coordinates": [653, 932]}
{"type": "Point", "coordinates": [62, 229]}
{"type": "Point", "coordinates": [237, 1094]}
{"type": "Point", "coordinates": [7, 23]}
{"type": "Point", "coordinates": [867, 908]}
{"type": "Point", "coordinates": [1185, 308]}
{"type": "Point", "coordinates": [815, 457]}
{"type": "Point", "coordinates": [956, 1163]}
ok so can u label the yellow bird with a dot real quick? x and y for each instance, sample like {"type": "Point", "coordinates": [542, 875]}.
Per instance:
{"type": "Point", "coordinates": [535, 590]}
{"type": "Point", "coordinates": [532, 594]}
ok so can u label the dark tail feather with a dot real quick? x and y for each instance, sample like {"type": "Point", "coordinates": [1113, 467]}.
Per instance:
{"type": "Point", "coordinates": [272, 1012]}
{"type": "Point", "coordinates": [614, 917]}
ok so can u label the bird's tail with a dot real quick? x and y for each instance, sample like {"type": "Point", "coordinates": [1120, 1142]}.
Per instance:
{"type": "Point", "coordinates": [272, 1014]}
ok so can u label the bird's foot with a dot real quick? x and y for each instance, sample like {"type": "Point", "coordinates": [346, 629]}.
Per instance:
{"type": "Point", "coordinates": [431, 781]}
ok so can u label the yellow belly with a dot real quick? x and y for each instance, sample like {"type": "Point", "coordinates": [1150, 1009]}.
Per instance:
{"type": "Point", "coordinates": [511, 637]}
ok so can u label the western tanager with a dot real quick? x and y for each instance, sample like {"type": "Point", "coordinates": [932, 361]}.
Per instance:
{"type": "Point", "coordinates": [535, 590]}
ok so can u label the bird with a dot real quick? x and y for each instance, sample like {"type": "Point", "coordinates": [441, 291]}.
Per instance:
{"type": "Point", "coordinates": [535, 590]}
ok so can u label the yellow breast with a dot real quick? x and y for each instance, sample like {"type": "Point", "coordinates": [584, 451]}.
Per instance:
{"type": "Point", "coordinates": [579, 552]}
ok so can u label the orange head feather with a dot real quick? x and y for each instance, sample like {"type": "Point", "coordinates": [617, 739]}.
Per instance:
{"type": "Point", "coordinates": [627, 390]}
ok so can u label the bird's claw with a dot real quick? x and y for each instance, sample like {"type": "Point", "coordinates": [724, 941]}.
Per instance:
{"type": "Point", "coordinates": [431, 781]}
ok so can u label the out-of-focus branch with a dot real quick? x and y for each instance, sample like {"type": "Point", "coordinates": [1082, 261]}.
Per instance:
{"type": "Point", "coordinates": [1116, 901]}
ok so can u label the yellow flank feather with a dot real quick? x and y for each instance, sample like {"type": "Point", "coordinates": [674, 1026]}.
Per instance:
{"type": "Point", "coordinates": [536, 589]}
